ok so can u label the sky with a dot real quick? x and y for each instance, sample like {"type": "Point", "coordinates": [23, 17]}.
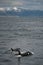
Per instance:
{"type": "Point", "coordinates": [28, 4]}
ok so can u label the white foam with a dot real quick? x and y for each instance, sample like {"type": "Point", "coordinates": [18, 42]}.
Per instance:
{"type": "Point", "coordinates": [32, 52]}
{"type": "Point", "coordinates": [18, 56]}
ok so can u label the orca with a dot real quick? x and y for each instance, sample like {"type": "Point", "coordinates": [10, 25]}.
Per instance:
{"type": "Point", "coordinates": [22, 54]}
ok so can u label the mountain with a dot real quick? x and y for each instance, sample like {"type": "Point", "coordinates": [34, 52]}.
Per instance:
{"type": "Point", "coordinates": [19, 12]}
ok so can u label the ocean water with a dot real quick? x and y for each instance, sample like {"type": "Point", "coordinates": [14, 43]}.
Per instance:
{"type": "Point", "coordinates": [25, 33]}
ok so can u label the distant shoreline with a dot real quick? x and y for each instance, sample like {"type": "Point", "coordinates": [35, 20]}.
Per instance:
{"type": "Point", "coordinates": [22, 16]}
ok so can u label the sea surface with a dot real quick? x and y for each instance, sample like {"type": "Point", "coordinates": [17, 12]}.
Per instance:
{"type": "Point", "coordinates": [21, 32]}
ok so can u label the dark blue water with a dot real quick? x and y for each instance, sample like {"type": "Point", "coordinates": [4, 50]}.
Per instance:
{"type": "Point", "coordinates": [23, 32]}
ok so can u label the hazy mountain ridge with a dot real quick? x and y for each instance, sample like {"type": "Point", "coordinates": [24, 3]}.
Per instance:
{"type": "Point", "coordinates": [20, 12]}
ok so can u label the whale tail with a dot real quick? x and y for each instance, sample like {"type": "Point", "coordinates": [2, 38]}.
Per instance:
{"type": "Point", "coordinates": [17, 49]}
{"type": "Point", "coordinates": [12, 49]}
